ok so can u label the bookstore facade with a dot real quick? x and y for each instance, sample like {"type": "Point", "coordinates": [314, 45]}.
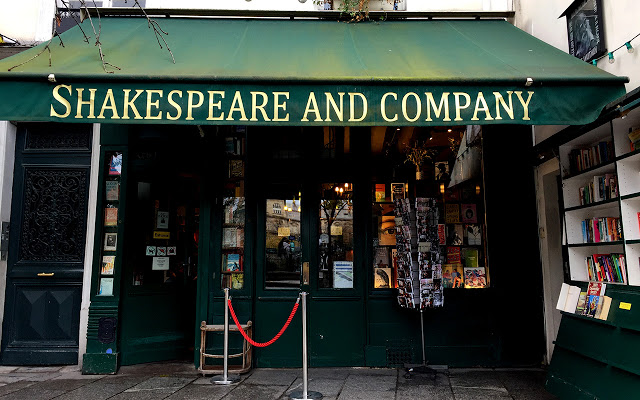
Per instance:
{"type": "Point", "coordinates": [387, 179]}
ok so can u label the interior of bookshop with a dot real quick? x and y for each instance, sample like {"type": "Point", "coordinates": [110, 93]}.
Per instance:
{"type": "Point", "coordinates": [428, 229]}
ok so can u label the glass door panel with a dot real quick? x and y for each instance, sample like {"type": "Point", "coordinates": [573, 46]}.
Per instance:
{"type": "Point", "coordinates": [283, 244]}
{"type": "Point", "coordinates": [335, 243]}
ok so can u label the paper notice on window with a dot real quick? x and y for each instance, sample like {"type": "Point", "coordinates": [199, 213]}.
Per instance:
{"type": "Point", "coordinates": [160, 264]}
{"type": "Point", "coordinates": [343, 274]}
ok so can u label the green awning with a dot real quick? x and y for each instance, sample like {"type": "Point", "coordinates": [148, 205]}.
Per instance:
{"type": "Point", "coordinates": [306, 72]}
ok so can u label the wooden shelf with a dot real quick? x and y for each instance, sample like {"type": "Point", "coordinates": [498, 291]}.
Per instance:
{"type": "Point", "coordinates": [617, 242]}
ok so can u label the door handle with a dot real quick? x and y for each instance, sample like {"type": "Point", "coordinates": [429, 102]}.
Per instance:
{"type": "Point", "coordinates": [305, 273]}
{"type": "Point", "coordinates": [46, 274]}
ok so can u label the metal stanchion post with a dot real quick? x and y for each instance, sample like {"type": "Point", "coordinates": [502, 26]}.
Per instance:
{"type": "Point", "coordinates": [304, 394]}
{"type": "Point", "coordinates": [225, 378]}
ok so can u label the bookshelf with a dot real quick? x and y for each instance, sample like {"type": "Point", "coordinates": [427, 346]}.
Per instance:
{"type": "Point", "coordinates": [601, 190]}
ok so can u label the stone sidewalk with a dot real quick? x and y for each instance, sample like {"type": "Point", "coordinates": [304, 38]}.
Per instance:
{"type": "Point", "coordinates": [175, 381]}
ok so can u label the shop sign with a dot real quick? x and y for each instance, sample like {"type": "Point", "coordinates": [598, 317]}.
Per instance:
{"type": "Point", "coordinates": [303, 105]}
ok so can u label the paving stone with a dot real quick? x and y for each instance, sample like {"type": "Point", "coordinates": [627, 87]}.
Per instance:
{"type": "Point", "coordinates": [5, 369]}
{"type": "Point", "coordinates": [170, 383]}
{"type": "Point", "coordinates": [374, 371]}
{"type": "Point", "coordinates": [424, 392]}
{"type": "Point", "coordinates": [352, 394]}
{"type": "Point", "coordinates": [93, 392]}
{"type": "Point", "coordinates": [143, 395]}
{"type": "Point", "coordinates": [465, 393]}
{"type": "Point", "coordinates": [14, 386]}
{"type": "Point", "coordinates": [30, 393]}
{"type": "Point", "coordinates": [32, 376]}
{"type": "Point", "coordinates": [254, 392]}
{"type": "Point", "coordinates": [370, 383]}
{"type": "Point", "coordinates": [278, 377]}
{"type": "Point", "coordinates": [61, 384]}
{"type": "Point", "coordinates": [38, 369]}
{"type": "Point", "coordinates": [481, 379]}
{"type": "Point", "coordinates": [328, 387]}
{"type": "Point", "coordinates": [522, 379]}
{"type": "Point", "coordinates": [201, 392]}
{"type": "Point", "coordinates": [329, 373]}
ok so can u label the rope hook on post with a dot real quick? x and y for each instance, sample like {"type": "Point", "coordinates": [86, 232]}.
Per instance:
{"type": "Point", "coordinates": [276, 337]}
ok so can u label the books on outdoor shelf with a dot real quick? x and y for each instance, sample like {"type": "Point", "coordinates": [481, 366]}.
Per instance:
{"type": "Point", "coordinates": [592, 302]}
{"type": "Point", "coordinates": [581, 159]}
{"type": "Point", "coordinates": [603, 187]}
{"type": "Point", "coordinates": [607, 268]}
{"type": "Point", "coordinates": [603, 229]}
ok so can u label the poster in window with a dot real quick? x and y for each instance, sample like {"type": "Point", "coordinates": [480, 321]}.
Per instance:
{"type": "Point", "coordinates": [585, 29]}
{"type": "Point", "coordinates": [110, 241]}
{"type": "Point", "coordinates": [106, 287]}
{"type": "Point", "coordinates": [110, 216]}
{"type": "Point", "coordinates": [397, 191]}
{"type": "Point", "coordinates": [343, 274]}
{"type": "Point", "coordinates": [115, 164]}
{"type": "Point", "coordinates": [108, 263]}
{"type": "Point", "coordinates": [112, 190]}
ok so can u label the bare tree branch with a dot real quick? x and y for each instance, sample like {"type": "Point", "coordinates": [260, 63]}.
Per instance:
{"type": "Point", "coordinates": [77, 22]}
{"type": "Point", "coordinates": [47, 47]}
{"type": "Point", "coordinates": [105, 64]}
{"type": "Point", "coordinates": [156, 30]}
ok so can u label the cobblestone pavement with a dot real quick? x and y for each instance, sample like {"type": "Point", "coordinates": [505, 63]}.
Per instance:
{"type": "Point", "coordinates": [174, 381]}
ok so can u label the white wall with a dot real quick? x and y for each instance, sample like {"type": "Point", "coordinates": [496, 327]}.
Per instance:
{"type": "Point", "coordinates": [27, 21]}
{"type": "Point", "coordinates": [7, 157]}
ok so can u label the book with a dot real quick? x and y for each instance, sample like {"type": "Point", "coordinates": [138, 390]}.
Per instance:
{"type": "Point", "coordinates": [237, 281]}
{"type": "Point", "coordinates": [108, 263]}
{"type": "Point", "coordinates": [470, 257]}
{"type": "Point", "coordinates": [115, 164]}
{"type": "Point", "coordinates": [230, 237]}
{"type": "Point", "coordinates": [110, 241]}
{"type": "Point", "coordinates": [236, 169]}
{"type": "Point", "coordinates": [455, 235]}
{"type": "Point", "coordinates": [452, 276]}
{"type": "Point", "coordinates": [106, 287]}
{"type": "Point", "coordinates": [452, 213]}
{"type": "Point", "coordinates": [473, 234]}
{"type": "Point", "coordinates": [110, 216]}
{"type": "Point", "coordinates": [581, 306]}
{"type": "Point", "coordinates": [474, 278]}
{"type": "Point", "coordinates": [232, 262]}
{"type": "Point", "coordinates": [380, 193]}
{"type": "Point", "coordinates": [592, 305]}
{"type": "Point", "coordinates": [382, 278]}
{"type": "Point", "coordinates": [596, 288]}
{"type": "Point", "coordinates": [468, 213]}
{"type": "Point", "coordinates": [568, 298]}
{"type": "Point", "coordinates": [397, 191]}
{"type": "Point", "coordinates": [453, 254]}
{"type": "Point", "coordinates": [442, 237]}
{"type": "Point", "coordinates": [604, 305]}
{"type": "Point", "coordinates": [381, 257]}
{"type": "Point", "coordinates": [112, 190]}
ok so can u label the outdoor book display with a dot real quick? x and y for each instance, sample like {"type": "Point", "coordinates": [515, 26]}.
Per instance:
{"type": "Point", "coordinates": [601, 193]}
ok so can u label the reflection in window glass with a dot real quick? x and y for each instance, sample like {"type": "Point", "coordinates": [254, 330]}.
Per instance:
{"type": "Point", "coordinates": [283, 245]}
{"type": "Point", "coordinates": [336, 236]}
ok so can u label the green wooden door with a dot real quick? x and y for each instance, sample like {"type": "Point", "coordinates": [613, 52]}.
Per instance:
{"type": "Point", "coordinates": [306, 243]}
{"type": "Point", "coordinates": [47, 244]}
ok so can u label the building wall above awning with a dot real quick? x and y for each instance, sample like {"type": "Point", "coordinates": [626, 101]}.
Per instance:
{"type": "Point", "coordinates": [306, 72]}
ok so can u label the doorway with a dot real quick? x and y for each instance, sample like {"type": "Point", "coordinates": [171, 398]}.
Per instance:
{"type": "Point", "coordinates": [160, 250]}
{"type": "Point", "coordinates": [306, 243]}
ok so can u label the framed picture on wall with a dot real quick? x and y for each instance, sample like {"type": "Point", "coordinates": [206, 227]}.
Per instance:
{"type": "Point", "coordinates": [585, 29]}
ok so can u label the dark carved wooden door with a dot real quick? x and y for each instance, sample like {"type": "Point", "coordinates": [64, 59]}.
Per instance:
{"type": "Point", "coordinates": [47, 244]}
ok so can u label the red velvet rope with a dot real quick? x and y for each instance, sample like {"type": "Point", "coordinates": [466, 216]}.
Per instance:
{"type": "Point", "coordinates": [276, 337]}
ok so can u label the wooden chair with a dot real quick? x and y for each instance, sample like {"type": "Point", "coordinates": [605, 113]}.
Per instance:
{"type": "Point", "coordinates": [245, 354]}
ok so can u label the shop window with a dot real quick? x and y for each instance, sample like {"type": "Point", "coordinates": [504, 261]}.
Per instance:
{"type": "Point", "coordinates": [233, 221]}
{"type": "Point", "coordinates": [336, 236]}
{"type": "Point", "coordinates": [439, 167]}
{"type": "Point", "coordinates": [283, 244]}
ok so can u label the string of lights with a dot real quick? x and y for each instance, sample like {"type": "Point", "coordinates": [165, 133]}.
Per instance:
{"type": "Point", "coordinates": [627, 44]}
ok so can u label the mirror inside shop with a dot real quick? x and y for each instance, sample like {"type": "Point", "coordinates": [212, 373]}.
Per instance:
{"type": "Point", "coordinates": [428, 185]}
